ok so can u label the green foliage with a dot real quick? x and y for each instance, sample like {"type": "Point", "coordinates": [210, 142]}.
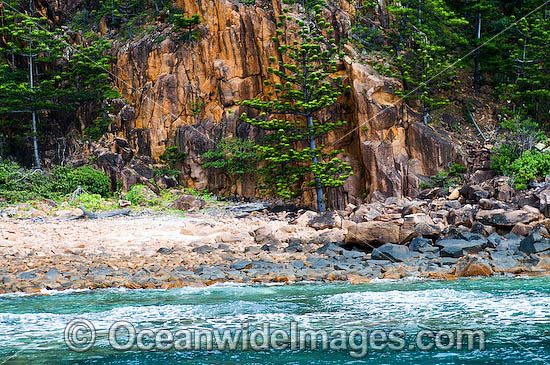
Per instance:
{"type": "Point", "coordinates": [65, 77]}
{"type": "Point", "coordinates": [141, 195]}
{"type": "Point", "coordinates": [445, 179]}
{"type": "Point", "coordinates": [234, 156]}
{"type": "Point", "coordinates": [65, 180]}
{"type": "Point", "coordinates": [528, 167]}
{"type": "Point", "coordinates": [519, 135]}
{"type": "Point", "coordinates": [19, 184]}
{"type": "Point", "coordinates": [305, 68]}
{"type": "Point", "coordinates": [171, 156]}
{"type": "Point", "coordinates": [188, 25]}
{"type": "Point", "coordinates": [424, 37]}
{"type": "Point", "coordinates": [119, 13]}
{"type": "Point", "coordinates": [93, 202]}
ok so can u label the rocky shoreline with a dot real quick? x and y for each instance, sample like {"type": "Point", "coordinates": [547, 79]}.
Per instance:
{"type": "Point", "coordinates": [394, 238]}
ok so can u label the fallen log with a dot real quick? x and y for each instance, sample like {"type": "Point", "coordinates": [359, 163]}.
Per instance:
{"type": "Point", "coordinates": [112, 213]}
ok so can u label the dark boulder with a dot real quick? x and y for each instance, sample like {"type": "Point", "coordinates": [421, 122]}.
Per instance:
{"type": "Point", "coordinates": [392, 252]}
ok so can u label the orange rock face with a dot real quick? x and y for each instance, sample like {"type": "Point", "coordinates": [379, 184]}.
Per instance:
{"type": "Point", "coordinates": [164, 77]}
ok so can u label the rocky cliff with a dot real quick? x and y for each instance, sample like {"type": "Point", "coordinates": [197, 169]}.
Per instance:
{"type": "Point", "coordinates": [162, 77]}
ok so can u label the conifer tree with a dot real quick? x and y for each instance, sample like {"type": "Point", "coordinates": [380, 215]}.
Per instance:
{"type": "Point", "coordinates": [424, 35]}
{"type": "Point", "coordinates": [304, 68]}
{"type": "Point", "coordinates": [119, 13]}
{"type": "Point", "coordinates": [529, 91]}
{"type": "Point", "coordinates": [41, 74]}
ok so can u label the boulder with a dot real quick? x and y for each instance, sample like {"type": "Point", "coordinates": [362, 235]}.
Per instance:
{"type": "Point", "coordinates": [304, 218]}
{"type": "Point", "coordinates": [188, 202]}
{"type": "Point", "coordinates": [462, 217]}
{"type": "Point", "coordinates": [421, 245]}
{"type": "Point", "coordinates": [427, 230]}
{"type": "Point", "coordinates": [472, 266]}
{"type": "Point", "coordinates": [474, 193]}
{"type": "Point", "coordinates": [534, 243]}
{"type": "Point", "coordinates": [392, 252]}
{"type": "Point", "coordinates": [459, 247]}
{"type": "Point", "coordinates": [325, 220]}
{"type": "Point", "coordinates": [544, 202]}
{"type": "Point", "coordinates": [503, 218]}
{"type": "Point", "coordinates": [367, 233]}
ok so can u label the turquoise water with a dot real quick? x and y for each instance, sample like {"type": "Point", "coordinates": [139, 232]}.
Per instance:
{"type": "Point", "coordinates": [513, 313]}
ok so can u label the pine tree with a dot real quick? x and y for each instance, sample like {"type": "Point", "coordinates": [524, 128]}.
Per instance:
{"type": "Point", "coordinates": [529, 90]}
{"type": "Point", "coordinates": [26, 38]}
{"type": "Point", "coordinates": [424, 35]}
{"type": "Point", "coordinates": [41, 75]}
{"type": "Point", "coordinates": [304, 67]}
{"type": "Point", "coordinates": [119, 13]}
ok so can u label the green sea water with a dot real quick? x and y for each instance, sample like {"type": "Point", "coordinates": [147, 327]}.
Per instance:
{"type": "Point", "coordinates": [513, 313]}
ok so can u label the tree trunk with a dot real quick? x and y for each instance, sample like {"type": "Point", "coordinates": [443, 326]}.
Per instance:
{"type": "Point", "coordinates": [318, 187]}
{"type": "Point", "coordinates": [34, 123]}
{"type": "Point", "coordinates": [477, 61]}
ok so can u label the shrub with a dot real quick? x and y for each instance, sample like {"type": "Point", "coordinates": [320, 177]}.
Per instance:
{"type": "Point", "coordinates": [19, 184]}
{"type": "Point", "coordinates": [92, 202]}
{"type": "Point", "coordinates": [234, 156]}
{"type": "Point", "coordinates": [170, 157]}
{"type": "Point", "coordinates": [142, 195]}
{"type": "Point", "coordinates": [445, 179]}
{"type": "Point", "coordinates": [65, 180]}
{"type": "Point", "coordinates": [519, 136]}
{"type": "Point", "coordinates": [529, 166]}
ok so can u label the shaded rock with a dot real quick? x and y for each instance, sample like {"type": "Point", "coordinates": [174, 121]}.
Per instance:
{"type": "Point", "coordinates": [294, 246]}
{"type": "Point", "coordinates": [188, 202]}
{"type": "Point", "coordinates": [353, 254]}
{"type": "Point", "coordinates": [446, 261]}
{"type": "Point", "coordinates": [27, 275]}
{"type": "Point", "coordinates": [474, 193]}
{"type": "Point", "coordinates": [471, 266]}
{"type": "Point", "coordinates": [493, 240]}
{"type": "Point", "coordinates": [482, 229]}
{"type": "Point", "coordinates": [252, 249]}
{"type": "Point", "coordinates": [203, 249]}
{"type": "Point", "coordinates": [304, 218]}
{"type": "Point", "coordinates": [265, 236]}
{"type": "Point", "coordinates": [534, 243]}
{"type": "Point", "coordinates": [330, 247]}
{"type": "Point", "coordinates": [544, 201]}
{"type": "Point", "coordinates": [544, 263]}
{"type": "Point", "coordinates": [52, 274]}
{"type": "Point", "coordinates": [490, 204]}
{"type": "Point", "coordinates": [392, 252]}
{"type": "Point", "coordinates": [503, 218]}
{"type": "Point", "coordinates": [522, 229]}
{"type": "Point", "coordinates": [167, 251]}
{"type": "Point", "coordinates": [457, 248]}
{"type": "Point", "coordinates": [319, 263]}
{"type": "Point", "coordinates": [269, 248]}
{"type": "Point", "coordinates": [325, 220]}
{"type": "Point", "coordinates": [298, 264]}
{"type": "Point", "coordinates": [241, 265]}
{"type": "Point", "coordinates": [420, 244]}
{"type": "Point", "coordinates": [427, 230]}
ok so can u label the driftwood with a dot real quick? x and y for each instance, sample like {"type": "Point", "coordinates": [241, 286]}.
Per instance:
{"type": "Point", "coordinates": [112, 213]}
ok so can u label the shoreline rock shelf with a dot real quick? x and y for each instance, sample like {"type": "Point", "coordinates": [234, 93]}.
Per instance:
{"type": "Point", "coordinates": [393, 239]}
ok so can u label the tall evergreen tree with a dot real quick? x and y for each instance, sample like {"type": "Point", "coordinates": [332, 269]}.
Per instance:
{"type": "Point", "coordinates": [290, 112]}
{"type": "Point", "coordinates": [40, 73]}
{"type": "Point", "coordinates": [424, 37]}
